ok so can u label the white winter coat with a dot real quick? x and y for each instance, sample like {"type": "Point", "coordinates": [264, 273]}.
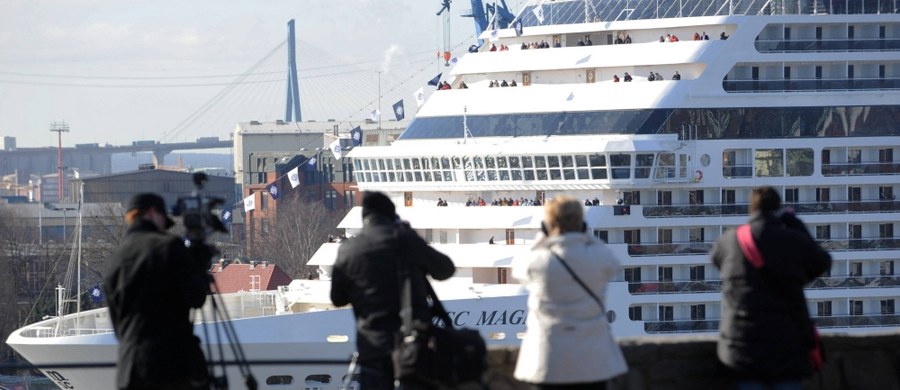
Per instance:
{"type": "Point", "coordinates": [568, 338]}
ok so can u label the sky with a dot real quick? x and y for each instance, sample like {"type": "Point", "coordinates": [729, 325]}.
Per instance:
{"type": "Point", "coordinates": [116, 71]}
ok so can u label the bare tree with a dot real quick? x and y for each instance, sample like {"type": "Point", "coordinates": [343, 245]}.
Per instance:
{"type": "Point", "coordinates": [301, 227]}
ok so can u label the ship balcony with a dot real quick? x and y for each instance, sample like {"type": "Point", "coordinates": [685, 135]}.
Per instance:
{"type": "Point", "coordinates": [853, 207]}
{"type": "Point", "coordinates": [694, 326]}
{"type": "Point", "coordinates": [798, 85]}
{"type": "Point", "coordinates": [860, 169]}
{"type": "Point", "coordinates": [715, 285]}
{"type": "Point", "coordinates": [827, 45]}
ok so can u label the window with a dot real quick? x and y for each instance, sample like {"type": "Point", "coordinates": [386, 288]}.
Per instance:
{"type": "Point", "coordinates": [823, 232]}
{"type": "Point", "coordinates": [632, 274]}
{"type": "Point", "coordinates": [621, 166]}
{"type": "Point", "coordinates": [769, 162]}
{"type": "Point", "coordinates": [331, 199]}
{"type": "Point", "coordinates": [510, 236]}
{"type": "Point", "coordinates": [602, 234]}
{"type": "Point", "coordinates": [632, 237]}
{"type": "Point", "coordinates": [799, 162]}
{"type": "Point", "coordinates": [885, 155]}
{"type": "Point", "coordinates": [429, 236]}
{"type": "Point", "coordinates": [698, 272]}
{"type": "Point", "coordinates": [631, 197]}
{"type": "Point", "coordinates": [698, 312]}
{"type": "Point", "coordinates": [664, 236]}
{"type": "Point", "coordinates": [264, 200]}
{"type": "Point", "coordinates": [443, 237]}
{"type": "Point", "coordinates": [791, 195]}
{"type": "Point", "coordinates": [666, 313]}
{"type": "Point", "coordinates": [886, 230]}
{"type": "Point", "coordinates": [856, 308]}
{"type": "Point", "coordinates": [372, 139]}
{"type": "Point", "coordinates": [695, 197]}
{"type": "Point", "coordinates": [886, 268]}
{"type": "Point", "coordinates": [664, 198]}
{"type": "Point", "coordinates": [349, 199]}
{"type": "Point", "coordinates": [854, 194]}
{"type": "Point", "coordinates": [886, 193]}
{"type": "Point", "coordinates": [665, 274]}
{"type": "Point", "coordinates": [264, 226]}
{"type": "Point", "coordinates": [823, 309]}
{"type": "Point", "coordinates": [635, 313]}
{"type": "Point", "coordinates": [823, 195]}
{"type": "Point", "coordinates": [887, 306]}
{"type": "Point", "coordinates": [854, 156]}
{"type": "Point", "coordinates": [856, 268]}
{"type": "Point", "coordinates": [696, 235]}
{"type": "Point", "coordinates": [728, 197]}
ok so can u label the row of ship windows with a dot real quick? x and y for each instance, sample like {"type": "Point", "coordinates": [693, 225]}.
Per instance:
{"type": "Point", "coordinates": [736, 163]}
{"type": "Point", "coordinates": [492, 168]}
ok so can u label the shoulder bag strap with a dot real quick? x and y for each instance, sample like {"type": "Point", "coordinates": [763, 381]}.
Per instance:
{"type": "Point", "coordinates": [580, 282]}
{"type": "Point", "coordinates": [748, 246]}
{"type": "Point", "coordinates": [404, 277]}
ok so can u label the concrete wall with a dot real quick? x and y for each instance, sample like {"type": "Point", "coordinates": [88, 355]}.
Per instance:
{"type": "Point", "coordinates": [689, 362]}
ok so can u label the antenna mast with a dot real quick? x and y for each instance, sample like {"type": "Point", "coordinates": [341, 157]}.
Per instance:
{"type": "Point", "coordinates": [59, 128]}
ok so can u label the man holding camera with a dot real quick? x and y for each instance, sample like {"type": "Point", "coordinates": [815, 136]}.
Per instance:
{"type": "Point", "coordinates": [151, 282]}
{"type": "Point", "coordinates": [365, 275]}
{"type": "Point", "coordinates": [766, 334]}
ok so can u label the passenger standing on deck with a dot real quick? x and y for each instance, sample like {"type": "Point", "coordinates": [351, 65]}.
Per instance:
{"type": "Point", "coordinates": [765, 332]}
{"type": "Point", "coordinates": [568, 342]}
{"type": "Point", "coordinates": [151, 283]}
{"type": "Point", "coordinates": [365, 275]}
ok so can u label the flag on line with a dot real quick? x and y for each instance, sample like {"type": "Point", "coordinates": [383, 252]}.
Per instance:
{"type": "Point", "coordinates": [273, 191]}
{"type": "Point", "coordinates": [398, 110]}
{"type": "Point", "coordinates": [294, 177]}
{"type": "Point", "coordinates": [336, 149]}
{"type": "Point", "coordinates": [356, 136]}
{"type": "Point", "coordinates": [250, 203]}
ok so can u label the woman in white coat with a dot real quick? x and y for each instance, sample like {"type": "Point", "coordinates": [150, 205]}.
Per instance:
{"type": "Point", "coordinates": [567, 344]}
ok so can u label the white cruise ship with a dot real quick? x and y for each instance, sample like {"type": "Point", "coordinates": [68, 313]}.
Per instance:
{"type": "Point", "coordinates": [801, 95]}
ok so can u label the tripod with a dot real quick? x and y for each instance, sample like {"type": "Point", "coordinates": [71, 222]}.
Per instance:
{"type": "Point", "coordinates": [221, 323]}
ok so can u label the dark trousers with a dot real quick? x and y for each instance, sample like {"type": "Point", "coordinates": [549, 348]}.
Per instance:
{"type": "Point", "coordinates": [378, 374]}
{"type": "Point", "coordinates": [571, 386]}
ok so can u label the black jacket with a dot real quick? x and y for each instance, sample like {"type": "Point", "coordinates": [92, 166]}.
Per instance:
{"type": "Point", "coordinates": [151, 282]}
{"type": "Point", "coordinates": [365, 276]}
{"type": "Point", "coordinates": [765, 327]}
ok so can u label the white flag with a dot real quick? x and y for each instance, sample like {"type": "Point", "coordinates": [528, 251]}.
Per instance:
{"type": "Point", "coordinates": [250, 203]}
{"type": "Point", "coordinates": [420, 97]}
{"type": "Point", "coordinates": [294, 177]}
{"type": "Point", "coordinates": [374, 115]}
{"type": "Point", "coordinates": [539, 13]}
{"type": "Point", "coordinates": [336, 149]}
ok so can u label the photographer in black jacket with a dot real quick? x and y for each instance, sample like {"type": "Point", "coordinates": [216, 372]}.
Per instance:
{"type": "Point", "coordinates": [766, 333]}
{"type": "Point", "coordinates": [151, 282]}
{"type": "Point", "coordinates": [365, 276]}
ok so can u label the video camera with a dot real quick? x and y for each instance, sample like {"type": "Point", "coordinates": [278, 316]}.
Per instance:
{"type": "Point", "coordinates": [196, 211]}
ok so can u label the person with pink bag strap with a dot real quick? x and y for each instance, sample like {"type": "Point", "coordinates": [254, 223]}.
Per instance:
{"type": "Point", "coordinates": [766, 334]}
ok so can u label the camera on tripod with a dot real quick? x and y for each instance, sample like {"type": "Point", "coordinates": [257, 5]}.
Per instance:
{"type": "Point", "coordinates": [196, 211]}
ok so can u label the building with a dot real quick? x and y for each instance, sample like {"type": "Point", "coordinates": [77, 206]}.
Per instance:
{"type": "Point", "coordinates": [120, 187]}
{"type": "Point", "coordinates": [267, 153]}
{"type": "Point", "coordinates": [235, 276]}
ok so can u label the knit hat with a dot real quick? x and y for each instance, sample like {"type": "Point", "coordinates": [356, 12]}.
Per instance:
{"type": "Point", "coordinates": [147, 201]}
{"type": "Point", "coordinates": [377, 203]}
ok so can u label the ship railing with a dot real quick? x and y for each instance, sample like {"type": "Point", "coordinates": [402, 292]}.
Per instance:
{"type": "Point", "coordinates": [858, 244]}
{"type": "Point", "coordinates": [855, 282]}
{"type": "Point", "coordinates": [683, 326]}
{"type": "Point", "coordinates": [856, 169]}
{"type": "Point", "coordinates": [670, 249]}
{"type": "Point", "coordinates": [827, 45]}
{"type": "Point", "coordinates": [796, 85]}
{"type": "Point", "coordinates": [574, 12]}
{"type": "Point", "coordinates": [846, 207]}
{"type": "Point", "coordinates": [685, 287]}
{"type": "Point", "coordinates": [823, 322]}
{"type": "Point", "coordinates": [857, 321]}
{"type": "Point", "coordinates": [715, 285]}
